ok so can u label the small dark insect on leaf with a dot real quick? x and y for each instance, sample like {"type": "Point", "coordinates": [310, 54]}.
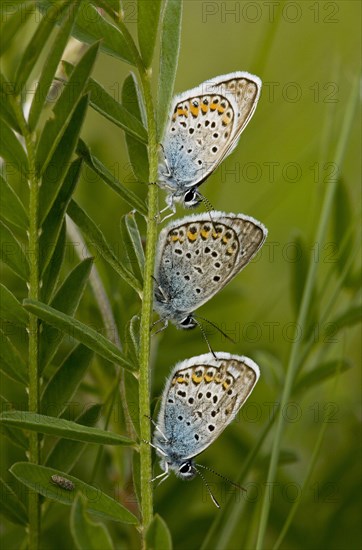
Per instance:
{"type": "Point", "coordinates": [62, 482]}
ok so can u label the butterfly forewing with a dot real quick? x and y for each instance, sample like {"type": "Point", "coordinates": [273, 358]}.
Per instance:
{"type": "Point", "coordinates": [202, 397]}
{"type": "Point", "coordinates": [204, 126]}
{"type": "Point", "coordinates": [198, 257]}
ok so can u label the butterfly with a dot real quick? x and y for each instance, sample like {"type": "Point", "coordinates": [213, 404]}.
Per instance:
{"type": "Point", "coordinates": [196, 257]}
{"type": "Point", "coordinates": [201, 397]}
{"type": "Point", "coordinates": [204, 127]}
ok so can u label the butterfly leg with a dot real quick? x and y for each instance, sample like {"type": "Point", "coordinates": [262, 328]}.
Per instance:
{"type": "Point", "coordinates": [164, 326]}
{"type": "Point", "coordinates": [157, 428]}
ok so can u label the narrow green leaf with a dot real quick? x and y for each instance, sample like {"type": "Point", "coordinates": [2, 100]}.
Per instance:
{"type": "Point", "coordinates": [129, 251]}
{"type": "Point", "coordinates": [58, 167]}
{"type": "Point", "coordinates": [11, 149]}
{"type": "Point", "coordinates": [66, 299]}
{"type": "Point", "coordinates": [348, 318]}
{"type": "Point", "coordinates": [91, 26]}
{"type": "Point", "coordinates": [10, 308]}
{"type": "Point", "coordinates": [64, 108]}
{"type": "Point", "coordinates": [37, 43]}
{"type": "Point", "coordinates": [16, 437]}
{"type": "Point", "coordinates": [170, 46]}
{"type": "Point", "coordinates": [38, 478]}
{"type": "Point", "coordinates": [66, 452]}
{"type": "Point", "coordinates": [97, 239]}
{"type": "Point", "coordinates": [132, 339]}
{"type": "Point", "coordinates": [49, 425]}
{"type": "Point", "coordinates": [158, 536]}
{"type": "Point", "coordinates": [65, 382]}
{"type": "Point", "coordinates": [136, 476]}
{"type": "Point", "coordinates": [11, 363]}
{"type": "Point", "coordinates": [11, 207]}
{"type": "Point", "coordinates": [147, 26]}
{"type": "Point", "coordinates": [11, 507]}
{"type": "Point", "coordinates": [12, 252]}
{"type": "Point", "coordinates": [137, 151]}
{"type": "Point", "coordinates": [53, 223]}
{"type": "Point", "coordinates": [86, 534]}
{"type": "Point", "coordinates": [51, 64]}
{"type": "Point", "coordinates": [126, 194]}
{"type": "Point", "coordinates": [107, 106]}
{"type": "Point", "coordinates": [132, 397]}
{"type": "Point", "coordinates": [135, 239]}
{"type": "Point", "coordinates": [81, 332]}
{"type": "Point", "coordinates": [319, 374]}
{"type": "Point", "coordinates": [7, 94]}
{"type": "Point", "coordinates": [14, 18]}
{"type": "Point", "coordinates": [51, 273]}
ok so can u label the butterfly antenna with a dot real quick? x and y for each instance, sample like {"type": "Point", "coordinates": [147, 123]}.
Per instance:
{"type": "Point", "coordinates": [209, 207]}
{"type": "Point", "coordinates": [205, 337]}
{"type": "Point", "coordinates": [217, 328]}
{"type": "Point", "coordinates": [222, 477]}
{"type": "Point", "coordinates": [207, 487]}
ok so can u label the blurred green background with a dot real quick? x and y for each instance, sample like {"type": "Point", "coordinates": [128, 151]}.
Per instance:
{"type": "Point", "coordinates": [308, 56]}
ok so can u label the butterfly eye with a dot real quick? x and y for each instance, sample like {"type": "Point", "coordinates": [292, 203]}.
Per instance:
{"type": "Point", "coordinates": [188, 322]}
{"type": "Point", "coordinates": [191, 198]}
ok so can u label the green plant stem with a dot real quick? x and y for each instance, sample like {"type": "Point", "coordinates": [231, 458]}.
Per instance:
{"type": "Point", "coordinates": [147, 302]}
{"type": "Point", "coordinates": [146, 314]}
{"type": "Point", "coordinates": [33, 327]}
{"type": "Point", "coordinates": [302, 316]}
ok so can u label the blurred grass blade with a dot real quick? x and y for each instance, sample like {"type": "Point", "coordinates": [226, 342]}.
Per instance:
{"type": "Point", "coordinates": [319, 374]}
{"type": "Point", "coordinates": [12, 253]}
{"type": "Point", "coordinates": [53, 223]}
{"type": "Point", "coordinates": [66, 300]}
{"type": "Point", "coordinates": [299, 271]}
{"type": "Point", "coordinates": [170, 46]}
{"type": "Point", "coordinates": [66, 380]}
{"type": "Point", "coordinates": [148, 15]}
{"type": "Point", "coordinates": [63, 109]}
{"type": "Point", "coordinates": [49, 425]}
{"type": "Point", "coordinates": [10, 308]}
{"type": "Point", "coordinates": [38, 479]}
{"type": "Point", "coordinates": [97, 239]}
{"type": "Point", "coordinates": [86, 534]}
{"type": "Point", "coordinates": [11, 207]}
{"type": "Point", "coordinates": [51, 273]}
{"type": "Point", "coordinates": [11, 364]}
{"type": "Point", "coordinates": [51, 64]}
{"type": "Point", "coordinates": [343, 219]}
{"type": "Point", "coordinates": [36, 44]}
{"type": "Point", "coordinates": [158, 536]}
{"type": "Point", "coordinates": [348, 318]}
{"type": "Point", "coordinates": [126, 194]}
{"type": "Point", "coordinates": [137, 151]}
{"type": "Point", "coordinates": [12, 23]}
{"type": "Point", "coordinates": [55, 173]}
{"type": "Point", "coordinates": [66, 452]}
{"type": "Point", "coordinates": [81, 332]}
{"type": "Point", "coordinates": [11, 507]}
{"type": "Point", "coordinates": [11, 150]}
